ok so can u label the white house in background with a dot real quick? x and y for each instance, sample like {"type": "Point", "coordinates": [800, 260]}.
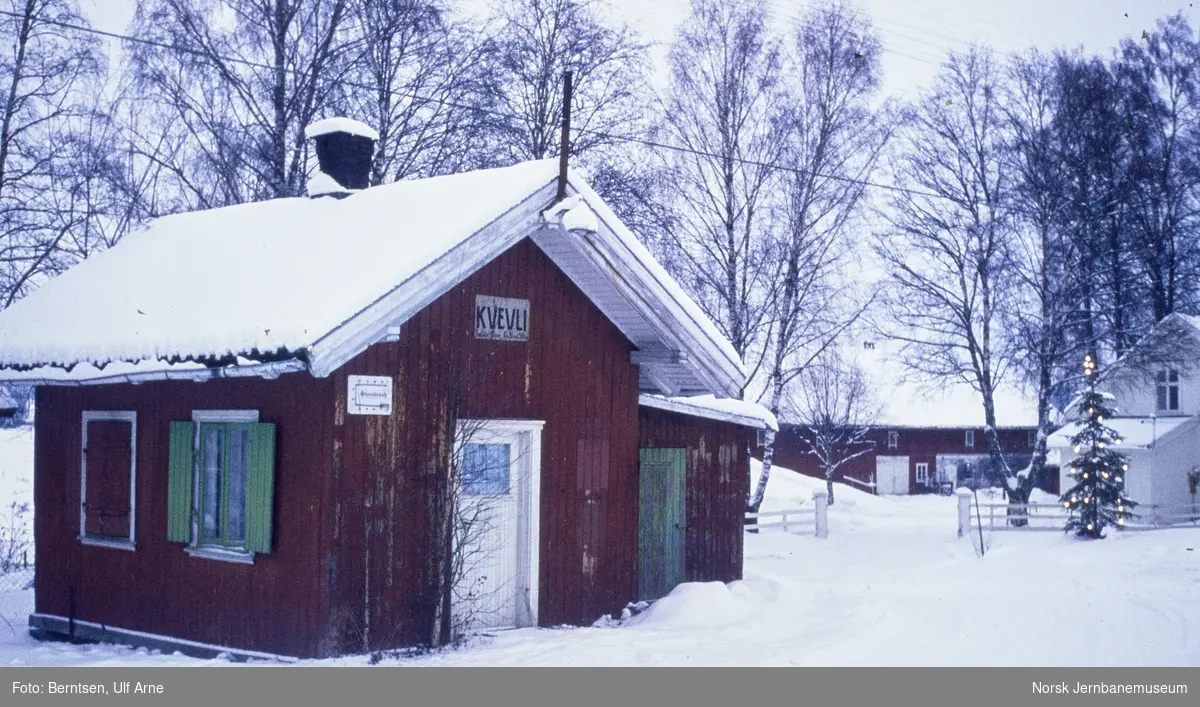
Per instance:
{"type": "Point", "coordinates": [1157, 417]}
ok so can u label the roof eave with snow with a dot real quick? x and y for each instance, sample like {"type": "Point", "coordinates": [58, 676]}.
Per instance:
{"type": "Point", "coordinates": [147, 371]}
{"type": "Point", "coordinates": [679, 351]}
{"type": "Point", "coordinates": [1132, 430]}
{"type": "Point", "coordinates": [729, 410]}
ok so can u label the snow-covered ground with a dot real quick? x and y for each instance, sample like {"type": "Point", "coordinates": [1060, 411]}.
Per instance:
{"type": "Point", "coordinates": [16, 486]}
{"type": "Point", "coordinates": [892, 585]}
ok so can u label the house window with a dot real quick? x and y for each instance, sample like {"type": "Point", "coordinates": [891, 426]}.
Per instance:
{"type": "Point", "coordinates": [922, 473]}
{"type": "Point", "coordinates": [108, 478]}
{"type": "Point", "coordinates": [763, 438]}
{"type": "Point", "coordinates": [1033, 438]}
{"type": "Point", "coordinates": [970, 440]}
{"type": "Point", "coordinates": [893, 440]}
{"type": "Point", "coordinates": [1168, 389]}
{"type": "Point", "coordinates": [485, 469]}
{"type": "Point", "coordinates": [221, 484]}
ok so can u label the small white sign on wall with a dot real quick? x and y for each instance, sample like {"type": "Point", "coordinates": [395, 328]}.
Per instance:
{"type": "Point", "coordinates": [501, 318]}
{"type": "Point", "coordinates": [369, 395]}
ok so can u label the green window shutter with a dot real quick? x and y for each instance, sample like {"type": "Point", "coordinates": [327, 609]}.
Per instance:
{"type": "Point", "coordinates": [260, 487]}
{"type": "Point", "coordinates": [179, 483]}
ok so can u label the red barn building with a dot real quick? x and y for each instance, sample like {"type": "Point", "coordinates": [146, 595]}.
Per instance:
{"type": "Point", "coordinates": [267, 428]}
{"type": "Point", "coordinates": [921, 440]}
{"type": "Point", "coordinates": [901, 460]}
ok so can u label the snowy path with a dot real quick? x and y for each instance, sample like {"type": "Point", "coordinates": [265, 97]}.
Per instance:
{"type": "Point", "coordinates": [892, 585]}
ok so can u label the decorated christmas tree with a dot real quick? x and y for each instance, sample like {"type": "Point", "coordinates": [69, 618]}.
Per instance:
{"type": "Point", "coordinates": [1097, 500]}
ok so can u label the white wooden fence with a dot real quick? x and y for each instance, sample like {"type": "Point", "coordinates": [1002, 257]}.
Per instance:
{"type": "Point", "coordinates": [868, 486]}
{"type": "Point", "coordinates": [815, 519]}
{"type": "Point", "coordinates": [1053, 516]}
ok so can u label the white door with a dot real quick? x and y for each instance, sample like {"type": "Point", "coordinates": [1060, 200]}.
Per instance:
{"type": "Point", "coordinates": [496, 525]}
{"type": "Point", "coordinates": [891, 475]}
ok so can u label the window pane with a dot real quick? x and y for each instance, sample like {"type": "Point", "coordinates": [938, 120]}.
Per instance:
{"type": "Point", "coordinates": [210, 482]}
{"type": "Point", "coordinates": [1174, 376]}
{"type": "Point", "coordinates": [1174, 397]}
{"type": "Point", "coordinates": [485, 469]}
{"type": "Point", "coordinates": [235, 485]}
{"type": "Point", "coordinates": [1162, 397]}
{"type": "Point", "coordinates": [1162, 376]}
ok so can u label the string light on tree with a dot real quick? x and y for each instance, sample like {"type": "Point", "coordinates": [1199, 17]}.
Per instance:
{"type": "Point", "coordinates": [1097, 468]}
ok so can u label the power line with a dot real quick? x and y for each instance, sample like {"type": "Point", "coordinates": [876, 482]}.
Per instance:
{"type": "Point", "coordinates": [506, 116]}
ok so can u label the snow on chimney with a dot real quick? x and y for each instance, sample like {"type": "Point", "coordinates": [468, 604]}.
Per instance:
{"type": "Point", "coordinates": [345, 149]}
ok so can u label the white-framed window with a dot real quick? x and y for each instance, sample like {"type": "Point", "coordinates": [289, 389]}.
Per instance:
{"type": "Point", "coordinates": [762, 438]}
{"type": "Point", "coordinates": [108, 479]}
{"type": "Point", "coordinates": [221, 484]}
{"type": "Point", "coordinates": [893, 439]}
{"type": "Point", "coordinates": [970, 438]}
{"type": "Point", "coordinates": [1167, 390]}
{"type": "Point", "coordinates": [922, 472]}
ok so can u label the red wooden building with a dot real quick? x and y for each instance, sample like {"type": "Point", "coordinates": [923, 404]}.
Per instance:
{"type": "Point", "coordinates": [901, 460]}
{"type": "Point", "coordinates": [922, 437]}
{"type": "Point", "coordinates": [270, 428]}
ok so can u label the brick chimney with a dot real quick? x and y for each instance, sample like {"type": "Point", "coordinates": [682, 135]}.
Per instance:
{"type": "Point", "coordinates": [345, 149]}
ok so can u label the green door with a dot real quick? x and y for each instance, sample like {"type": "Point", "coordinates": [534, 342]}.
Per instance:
{"type": "Point", "coordinates": [661, 522]}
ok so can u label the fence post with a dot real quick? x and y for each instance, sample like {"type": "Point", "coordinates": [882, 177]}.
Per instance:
{"type": "Point", "coordinates": [821, 501]}
{"type": "Point", "coordinates": [964, 511]}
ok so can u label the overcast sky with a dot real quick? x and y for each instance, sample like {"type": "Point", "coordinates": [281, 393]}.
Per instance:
{"type": "Point", "coordinates": [916, 34]}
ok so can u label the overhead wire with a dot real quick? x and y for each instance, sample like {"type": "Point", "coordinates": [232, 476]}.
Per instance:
{"type": "Point", "coordinates": [646, 142]}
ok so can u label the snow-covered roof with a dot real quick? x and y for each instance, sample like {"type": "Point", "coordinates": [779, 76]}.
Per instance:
{"type": "Point", "coordinates": [908, 401]}
{"type": "Point", "coordinates": [1135, 432]}
{"type": "Point", "coordinates": [738, 412]}
{"type": "Point", "coordinates": [328, 277]}
{"type": "Point", "coordinates": [340, 125]}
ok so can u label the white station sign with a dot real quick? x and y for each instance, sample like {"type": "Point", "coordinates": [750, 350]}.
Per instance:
{"type": "Point", "coordinates": [369, 395]}
{"type": "Point", "coordinates": [501, 318]}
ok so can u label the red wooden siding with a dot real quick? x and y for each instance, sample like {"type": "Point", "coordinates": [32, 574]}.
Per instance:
{"type": "Point", "coordinates": [574, 372]}
{"type": "Point", "coordinates": [274, 605]}
{"type": "Point", "coordinates": [792, 452]}
{"type": "Point", "coordinates": [715, 487]}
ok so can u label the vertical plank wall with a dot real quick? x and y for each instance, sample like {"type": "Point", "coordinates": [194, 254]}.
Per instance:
{"type": "Point", "coordinates": [715, 487]}
{"type": "Point", "coordinates": [574, 373]}
{"type": "Point", "coordinates": [274, 605]}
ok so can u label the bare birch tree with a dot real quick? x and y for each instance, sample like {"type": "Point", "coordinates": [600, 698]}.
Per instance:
{"type": "Point", "coordinates": [1162, 124]}
{"type": "Point", "coordinates": [535, 42]}
{"type": "Point", "coordinates": [49, 75]}
{"type": "Point", "coordinates": [947, 247]}
{"type": "Point", "coordinates": [835, 406]}
{"type": "Point", "coordinates": [833, 140]}
{"type": "Point", "coordinates": [245, 79]}
{"type": "Point", "coordinates": [724, 107]}
{"type": "Point", "coordinates": [418, 76]}
{"type": "Point", "coordinates": [1044, 307]}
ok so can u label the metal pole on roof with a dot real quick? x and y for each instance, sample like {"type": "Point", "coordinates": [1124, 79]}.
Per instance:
{"type": "Point", "coordinates": [565, 147]}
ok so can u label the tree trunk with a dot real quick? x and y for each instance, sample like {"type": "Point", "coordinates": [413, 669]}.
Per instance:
{"type": "Point", "coordinates": [760, 490]}
{"type": "Point", "coordinates": [761, 487]}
